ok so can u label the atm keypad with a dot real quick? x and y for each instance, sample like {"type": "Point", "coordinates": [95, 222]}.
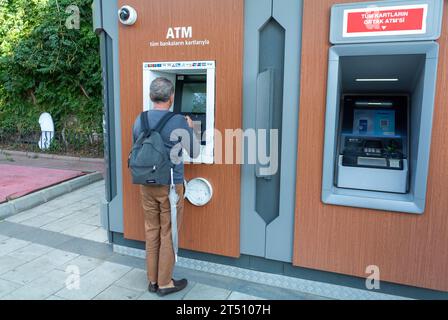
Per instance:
{"type": "Point", "coordinates": [372, 153]}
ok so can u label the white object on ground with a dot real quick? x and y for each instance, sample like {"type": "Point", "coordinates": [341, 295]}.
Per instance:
{"type": "Point", "coordinates": [47, 128]}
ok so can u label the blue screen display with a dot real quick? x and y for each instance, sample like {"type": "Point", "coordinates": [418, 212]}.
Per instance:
{"type": "Point", "coordinates": [372, 122]}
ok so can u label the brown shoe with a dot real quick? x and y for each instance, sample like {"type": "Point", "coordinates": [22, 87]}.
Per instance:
{"type": "Point", "coordinates": [179, 285]}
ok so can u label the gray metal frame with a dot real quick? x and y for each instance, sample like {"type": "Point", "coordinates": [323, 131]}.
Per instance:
{"type": "Point", "coordinates": [106, 24]}
{"type": "Point", "coordinates": [415, 200]}
{"type": "Point", "coordinates": [274, 240]}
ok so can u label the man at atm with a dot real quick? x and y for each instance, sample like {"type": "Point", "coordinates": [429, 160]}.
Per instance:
{"type": "Point", "coordinates": [155, 198]}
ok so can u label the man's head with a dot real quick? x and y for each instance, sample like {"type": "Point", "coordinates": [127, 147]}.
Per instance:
{"type": "Point", "coordinates": [162, 93]}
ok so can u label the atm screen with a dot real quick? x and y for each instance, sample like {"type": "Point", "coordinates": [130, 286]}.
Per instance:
{"type": "Point", "coordinates": [373, 116]}
{"type": "Point", "coordinates": [374, 131]}
{"type": "Point", "coordinates": [191, 94]}
{"type": "Point", "coordinates": [191, 100]}
{"type": "Point", "coordinates": [194, 98]}
{"type": "Point", "coordinates": [379, 123]}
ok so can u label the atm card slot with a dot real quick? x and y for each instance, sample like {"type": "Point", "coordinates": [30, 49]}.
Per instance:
{"type": "Point", "coordinates": [372, 162]}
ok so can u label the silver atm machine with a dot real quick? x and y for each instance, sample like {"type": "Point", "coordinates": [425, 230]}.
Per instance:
{"type": "Point", "coordinates": [194, 83]}
{"type": "Point", "coordinates": [382, 75]}
{"type": "Point", "coordinates": [373, 143]}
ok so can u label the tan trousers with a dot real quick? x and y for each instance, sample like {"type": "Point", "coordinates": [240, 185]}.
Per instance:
{"type": "Point", "coordinates": [159, 244]}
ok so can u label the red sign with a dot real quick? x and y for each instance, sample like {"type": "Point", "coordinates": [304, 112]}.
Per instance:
{"type": "Point", "coordinates": [383, 21]}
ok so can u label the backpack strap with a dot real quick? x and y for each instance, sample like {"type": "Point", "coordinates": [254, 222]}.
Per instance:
{"type": "Point", "coordinates": [162, 123]}
{"type": "Point", "coordinates": [144, 122]}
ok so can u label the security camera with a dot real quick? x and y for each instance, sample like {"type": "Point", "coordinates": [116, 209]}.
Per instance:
{"type": "Point", "coordinates": [127, 15]}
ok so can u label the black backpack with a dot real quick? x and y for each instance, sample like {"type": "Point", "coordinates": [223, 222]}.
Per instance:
{"type": "Point", "coordinates": [149, 160]}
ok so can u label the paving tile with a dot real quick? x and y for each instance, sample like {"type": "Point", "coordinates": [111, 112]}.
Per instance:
{"type": "Point", "coordinates": [28, 272]}
{"type": "Point", "coordinates": [175, 296]}
{"type": "Point", "coordinates": [206, 278]}
{"type": "Point", "coordinates": [94, 220]}
{"type": "Point", "coordinates": [41, 288]}
{"type": "Point", "coordinates": [24, 216]}
{"type": "Point", "coordinates": [241, 296]}
{"type": "Point", "coordinates": [89, 212]}
{"type": "Point", "coordinates": [64, 201]}
{"type": "Point", "coordinates": [88, 248]}
{"type": "Point", "coordinates": [45, 208]}
{"type": "Point", "coordinates": [8, 263]}
{"type": "Point", "coordinates": [39, 221]}
{"type": "Point", "coordinates": [205, 292]}
{"type": "Point", "coordinates": [69, 205]}
{"type": "Point", "coordinates": [79, 230]}
{"type": "Point", "coordinates": [71, 198]}
{"type": "Point", "coordinates": [69, 220]}
{"type": "Point", "coordinates": [30, 252]}
{"type": "Point", "coordinates": [98, 235]}
{"type": "Point", "coordinates": [62, 224]}
{"type": "Point", "coordinates": [118, 293]}
{"type": "Point", "coordinates": [60, 257]}
{"type": "Point", "coordinates": [10, 229]}
{"type": "Point", "coordinates": [91, 199]}
{"type": "Point", "coordinates": [42, 209]}
{"type": "Point", "coordinates": [85, 264]}
{"type": "Point", "coordinates": [95, 282]}
{"type": "Point", "coordinates": [135, 279]}
{"type": "Point", "coordinates": [129, 261]}
{"type": "Point", "coordinates": [11, 244]}
{"type": "Point", "coordinates": [40, 236]}
{"type": "Point", "coordinates": [61, 213]}
{"type": "Point", "coordinates": [273, 293]}
{"type": "Point", "coordinates": [6, 287]}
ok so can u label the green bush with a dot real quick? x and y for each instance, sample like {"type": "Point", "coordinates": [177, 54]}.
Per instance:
{"type": "Point", "coordinates": [47, 67]}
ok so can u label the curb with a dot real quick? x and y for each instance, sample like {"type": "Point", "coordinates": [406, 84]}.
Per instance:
{"type": "Point", "coordinates": [35, 199]}
{"type": "Point", "coordinates": [49, 156]}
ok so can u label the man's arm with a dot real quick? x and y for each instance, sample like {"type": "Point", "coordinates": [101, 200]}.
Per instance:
{"type": "Point", "coordinates": [195, 145]}
{"type": "Point", "coordinates": [188, 140]}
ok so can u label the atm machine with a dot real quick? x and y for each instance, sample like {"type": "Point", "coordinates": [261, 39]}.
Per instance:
{"type": "Point", "coordinates": [191, 100]}
{"type": "Point", "coordinates": [380, 103]}
{"type": "Point", "coordinates": [373, 143]}
{"type": "Point", "coordinates": [194, 83]}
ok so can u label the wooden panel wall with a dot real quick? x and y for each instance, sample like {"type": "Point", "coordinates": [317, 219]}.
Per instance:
{"type": "Point", "coordinates": [409, 249]}
{"type": "Point", "coordinates": [214, 228]}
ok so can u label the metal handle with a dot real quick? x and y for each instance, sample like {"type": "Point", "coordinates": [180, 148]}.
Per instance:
{"type": "Point", "coordinates": [264, 112]}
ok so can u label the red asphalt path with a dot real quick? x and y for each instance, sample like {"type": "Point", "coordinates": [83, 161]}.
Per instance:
{"type": "Point", "coordinates": [17, 181]}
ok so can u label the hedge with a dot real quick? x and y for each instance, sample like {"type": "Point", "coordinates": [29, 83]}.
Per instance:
{"type": "Point", "coordinates": [47, 67]}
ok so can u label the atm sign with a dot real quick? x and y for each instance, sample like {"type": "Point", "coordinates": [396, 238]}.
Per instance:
{"type": "Point", "coordinates": [385, 21]}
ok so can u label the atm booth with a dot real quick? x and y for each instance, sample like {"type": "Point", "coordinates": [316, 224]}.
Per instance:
{"type": "Point", "coordinates": [356, 91]}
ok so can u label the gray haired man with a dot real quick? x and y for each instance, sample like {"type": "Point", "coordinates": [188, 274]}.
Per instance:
{"type": "Point", "coordinates": [155, 198]}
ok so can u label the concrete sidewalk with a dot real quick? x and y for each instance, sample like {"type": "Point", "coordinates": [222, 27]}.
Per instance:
{"type": "Point", "coordinates": [45, 252]}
